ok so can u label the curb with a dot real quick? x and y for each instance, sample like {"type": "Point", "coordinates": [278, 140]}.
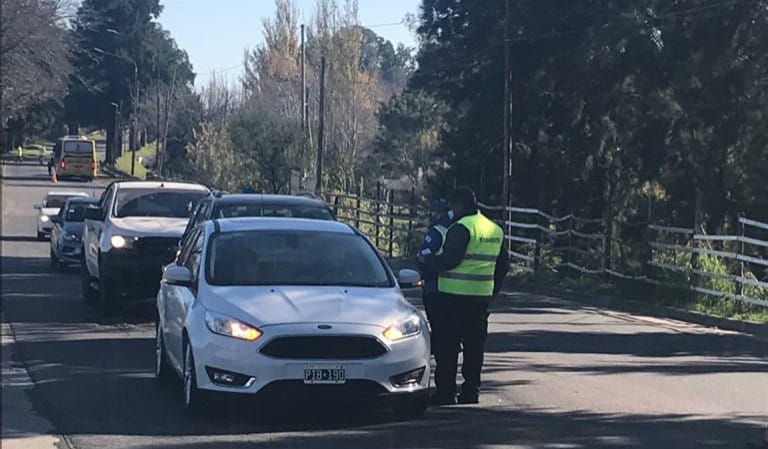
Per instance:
{"type": "Point", "coordinates": [756, 330]}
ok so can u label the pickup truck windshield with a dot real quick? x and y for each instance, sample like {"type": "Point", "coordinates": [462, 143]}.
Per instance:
{"type": "Point", "coordinates": [155, 203]}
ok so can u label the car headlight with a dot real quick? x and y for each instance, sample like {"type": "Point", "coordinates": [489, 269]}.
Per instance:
{"type": "Point", "coordinates": [120, 242]}
{"type": "Point", "coordinates": [45, 218]}
{"type": "Point", "coordinates": [230, 327]}
{"type": "Point", "coordinates": [70, 237]}
{"type": "Point", "coordinates": [406, 328]}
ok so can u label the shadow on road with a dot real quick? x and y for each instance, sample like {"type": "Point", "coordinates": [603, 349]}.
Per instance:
{"type": "Point", "coordinates": [19, 238]}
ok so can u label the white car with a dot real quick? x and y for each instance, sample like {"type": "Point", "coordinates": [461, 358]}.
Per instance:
{"type": "Point", "coordinates": [288, 308]}
{"type": "Point", "coordinates": [49, 207]}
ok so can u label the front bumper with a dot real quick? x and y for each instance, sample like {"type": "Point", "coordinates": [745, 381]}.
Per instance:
{"type": "Point", "coordinates": [71, 252]}
{"type": "Point", "coordinates": [130, 271]}
{"type": "Point", "coordinates": [284, 378]}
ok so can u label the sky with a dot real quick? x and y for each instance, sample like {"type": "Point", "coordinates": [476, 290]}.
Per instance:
{"type": "Point", "coordinates": [215, 32]}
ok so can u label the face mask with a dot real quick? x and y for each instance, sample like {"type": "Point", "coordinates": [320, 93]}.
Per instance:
{"type": "Point", "coordinates": [451, 215]}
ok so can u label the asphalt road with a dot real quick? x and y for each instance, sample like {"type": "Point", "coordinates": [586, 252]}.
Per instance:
{"type": "Point", "coordinates": [558, 374]}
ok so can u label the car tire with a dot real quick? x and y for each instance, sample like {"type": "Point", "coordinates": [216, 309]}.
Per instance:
{"type": "Point", "coordinates": [55, 262]}
{"type": "Point", "coordinates": [90, 295]}
{"type": "Point", "coordinates": [411, 407]}
{"type": "Point", "coordinates": [192, 397]}
{"type": "Point", "coordinates": [163, 372]}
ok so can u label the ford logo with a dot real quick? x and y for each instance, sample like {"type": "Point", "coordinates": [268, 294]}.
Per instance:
{"type": "Point", "coordinates": [324, 326]}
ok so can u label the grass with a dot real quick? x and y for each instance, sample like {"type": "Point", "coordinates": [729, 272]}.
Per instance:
{"type": "Point", "coordinates": [678, 298]}
{"type": "Point", "coordinates": [124, 162]}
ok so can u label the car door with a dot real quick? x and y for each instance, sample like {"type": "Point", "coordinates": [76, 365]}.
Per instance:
{"type": "Point", "coordinates": [179, 299]}
{"type": "Point", "coordinates": [93, 230]}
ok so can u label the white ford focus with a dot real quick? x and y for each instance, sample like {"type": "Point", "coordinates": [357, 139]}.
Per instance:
{"type": "Point", "coordinates": [285, 308]}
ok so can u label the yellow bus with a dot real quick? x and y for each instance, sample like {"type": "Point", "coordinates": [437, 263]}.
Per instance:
{"type": "Point", "coordinates": [75, 157]}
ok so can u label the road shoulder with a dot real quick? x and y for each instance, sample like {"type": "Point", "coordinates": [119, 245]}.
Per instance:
{"type": "Point", "coordinates": [22, 426]}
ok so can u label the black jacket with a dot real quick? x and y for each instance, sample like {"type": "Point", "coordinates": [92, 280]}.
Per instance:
{"type": "Point", "coordinates": [454, 248]}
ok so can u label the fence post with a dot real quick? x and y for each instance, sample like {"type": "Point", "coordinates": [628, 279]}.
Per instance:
{"type": "Point", "coordinates": [336, 205]}
{"type": "Point", "coordinates": [537, 246]}
{"type": "Point", "coordinates": [568, 255]}
{"type": "Point", "coordinates": [740, 282]}
{"type": "Point", "coordinates": [378, 212]}
{"type": "Point", "coordinates": [411, 211]}
{"type": "Point", "coordinates": [357, 206]}
{"type": "Point", "coordinates": [692, 241]}
{"type": "Point", "coordinates": [391, 222]}
{"type": "Point", "coordinates": [608, 241]}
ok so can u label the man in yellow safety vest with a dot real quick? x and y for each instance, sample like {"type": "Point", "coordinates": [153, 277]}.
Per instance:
{"type": "Point", "coordinates": [472, 268]}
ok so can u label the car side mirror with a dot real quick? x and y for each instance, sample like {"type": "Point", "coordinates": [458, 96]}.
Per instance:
{"type": "Point", "coordinates": [37, 207]}
{"type": "Point", "coordinates": [408, 278]}
{"type": "Point", "coordinates": [56, 219]}
{"type": "Point", "coordinates": [93, 213]}
{"type": "Point", "coordinates": [178, 275]}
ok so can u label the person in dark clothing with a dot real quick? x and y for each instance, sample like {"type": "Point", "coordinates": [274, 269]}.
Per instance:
{"type": "Point", "coordinates": [440, 220]}
{"type": "Point", "coordinates": [472, 268]}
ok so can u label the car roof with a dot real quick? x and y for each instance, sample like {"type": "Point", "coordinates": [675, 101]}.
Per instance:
{"type": "Point", "coordinates": [65, 193]}
{"type": "Point", "coordinates": [278, 224]}
{"type": "Point", "coordinates": [161, 185]}
{"type": "Point", "coordinates": [266, 199]}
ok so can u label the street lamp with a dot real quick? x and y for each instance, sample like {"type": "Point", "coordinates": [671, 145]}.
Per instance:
{"type": "Point", "coordinates": [135, 98]}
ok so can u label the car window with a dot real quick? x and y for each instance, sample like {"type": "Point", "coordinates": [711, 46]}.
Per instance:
{"type": "Point", "coordinates": [155, 203]}
{"type": "Point", "coordinates": [186, 246]}
{"type": "Point", "coordinates": [55, 200]}
{"type": "Point", "coordinates": [251, 210]}
{"type": "Point", "coordinates": [75, 212]}
{"type": "Point", "coordinates": [195, 216]}
{"type": "Point", "coordinates": [195, 253]}
{"type": "Point", "coordinates": [294, 258]}
{"type": "Point", "coordinates": [106, 200]}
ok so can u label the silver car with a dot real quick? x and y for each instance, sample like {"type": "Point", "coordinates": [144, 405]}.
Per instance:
{"type": "Point", "coordinates": [67, 232]}
{"type": "Point", "coordinates": [286, 309]}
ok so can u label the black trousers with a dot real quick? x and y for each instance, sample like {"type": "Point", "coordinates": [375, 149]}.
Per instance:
{"type": "Point", "coordinates": [456, 322]}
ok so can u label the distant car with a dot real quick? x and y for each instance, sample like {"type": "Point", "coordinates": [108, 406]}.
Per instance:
{"type": "Point", "coordinates": [288, 309]}
{"type": "Point", "coordinates": [258, 205]}
{"type": "Point", "coordinates": [67, 232]}
{"type": "Point", "coordinates": [130, 235]}
{"type": "Point", "coordinates": [49, 207]}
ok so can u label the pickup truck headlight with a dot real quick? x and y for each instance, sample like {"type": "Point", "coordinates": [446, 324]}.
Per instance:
{"type": "Point", "coordinates": [408, 327]}
{"type": "Point", "coordinates": [120, 242]}
{"type": "Point", "coordinates": [230, 327]}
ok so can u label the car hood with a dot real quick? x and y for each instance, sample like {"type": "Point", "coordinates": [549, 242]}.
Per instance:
{"type": "Point", "coordinates": [153, 226]}
{"type": "Point", "coordinates": [50, 210]}
{"type": "Point", "coordinates": [74, 227]}
{"type": "Point", "coordinates": [265, 306]}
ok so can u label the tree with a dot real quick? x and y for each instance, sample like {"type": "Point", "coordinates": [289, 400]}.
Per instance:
{"type": "Point", "coordinates": [410, 127]}
{"type": "Point", "coordinates": [211, 157]}
{"type": "Point", "coordinates": [30, 76]}
{"type": "Point", "coordinates": [268, 147]}
{"type": "Point", "coordinates": [116, 41]}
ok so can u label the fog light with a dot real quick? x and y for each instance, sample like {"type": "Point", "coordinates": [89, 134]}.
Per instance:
{"type": "Point", "coordinates": [228, 378]}
{"type": "Point", "coordinates": [412, 377]}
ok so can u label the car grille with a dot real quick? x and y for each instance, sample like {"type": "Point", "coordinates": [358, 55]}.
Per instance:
{"type": "Point", "coordinates": [289, 391]}
{"type": "Point", "coordinates": [324, 347]}
{"type": "Point", "coordinates": [161, 249]}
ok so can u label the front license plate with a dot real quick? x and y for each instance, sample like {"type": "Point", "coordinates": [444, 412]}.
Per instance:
{"type": "Point", "coordinates": [325, 375]}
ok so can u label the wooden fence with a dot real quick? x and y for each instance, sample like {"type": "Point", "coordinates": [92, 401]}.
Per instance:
{"type": "Point", "coordinates": [729, 266]}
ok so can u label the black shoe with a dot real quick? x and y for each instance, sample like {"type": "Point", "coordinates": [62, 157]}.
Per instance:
{"type": "Point", "coordinates": [440, 401]}
{"type": "Point", "coordinates": [468, 399]}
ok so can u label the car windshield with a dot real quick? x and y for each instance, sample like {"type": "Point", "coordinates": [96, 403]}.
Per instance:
{"type": "Point", "coordinates": [55, 201]}
{"type": "Point", "coordinates": [155, 203]}
{"type": "Point", "coordinates": [76, 212]}
{"type": "Point", "coordinates": [285, 211]}
{"type": "Point", "coordinates": [294, 258]}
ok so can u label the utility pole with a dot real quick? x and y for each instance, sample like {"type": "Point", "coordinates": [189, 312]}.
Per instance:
{"type": "Point", "coordinates": [158, 153]}
{"type": "Point", "coordinates": [135, 118]}
{"type": "Point", "coordinates": [321, 131]}
{"type": "Point", "coordinates": [507, 147]}
{"type": "Point", "coordinates": [303, 84]}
